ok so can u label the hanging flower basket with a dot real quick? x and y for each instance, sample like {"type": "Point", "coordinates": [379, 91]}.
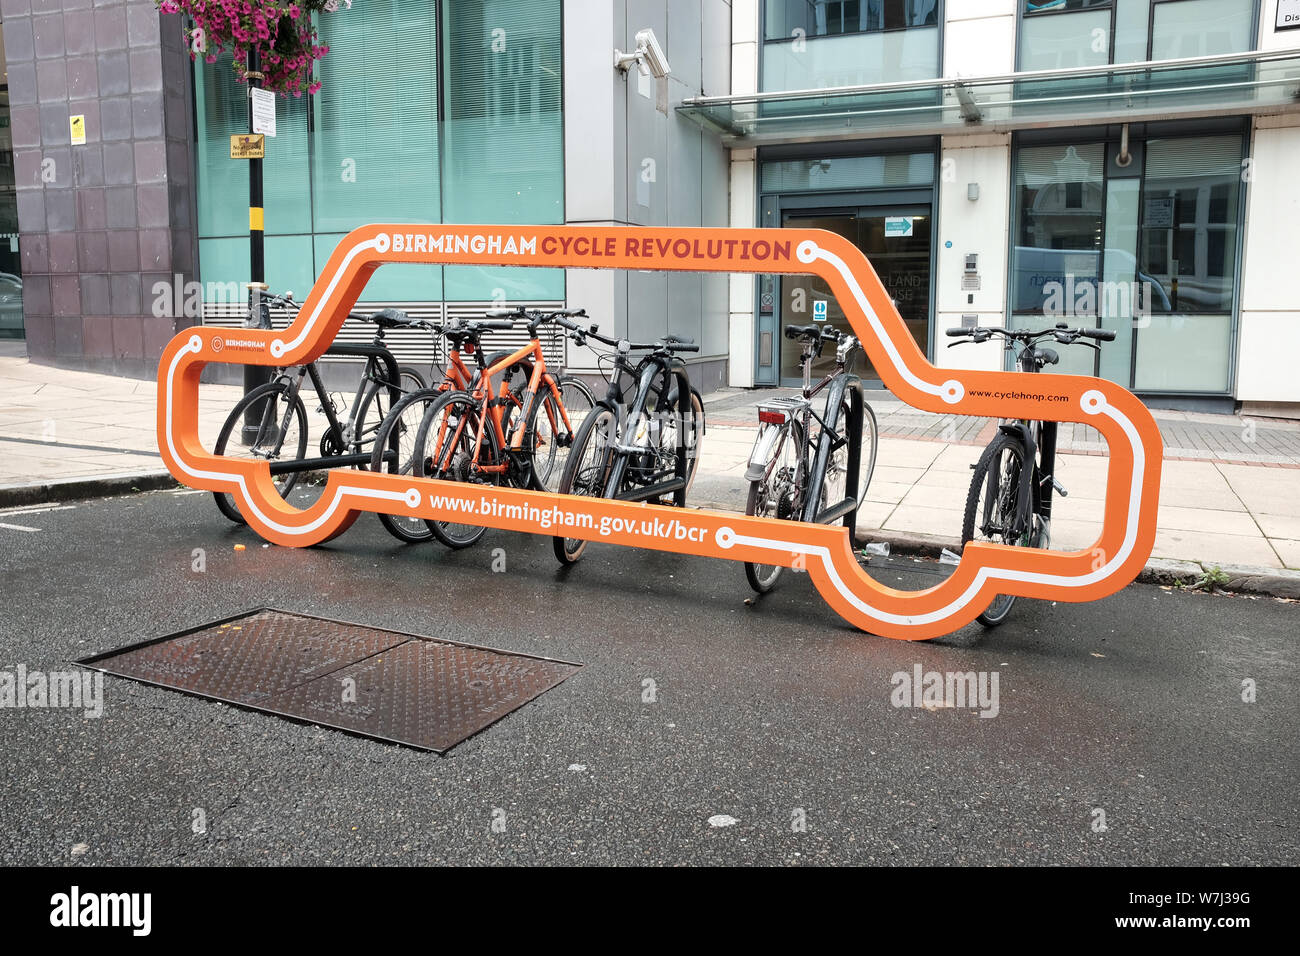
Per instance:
{"type": "Point", "coordinates": [280, 31]}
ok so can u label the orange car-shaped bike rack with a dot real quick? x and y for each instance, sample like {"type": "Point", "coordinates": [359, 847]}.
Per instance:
{"type": "Point", "coordinates": [826, 551]}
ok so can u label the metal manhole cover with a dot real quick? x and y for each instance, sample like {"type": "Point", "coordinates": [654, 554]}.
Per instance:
{"type": "Point", "coordinates": [397, 687]}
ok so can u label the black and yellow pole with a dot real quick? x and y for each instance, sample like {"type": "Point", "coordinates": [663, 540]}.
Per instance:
{"type": "Point", "coordinates": [259, 316]}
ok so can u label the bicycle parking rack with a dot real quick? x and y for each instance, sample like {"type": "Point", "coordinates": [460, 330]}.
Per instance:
{"type": "Point", "coordinates": [985, 570]}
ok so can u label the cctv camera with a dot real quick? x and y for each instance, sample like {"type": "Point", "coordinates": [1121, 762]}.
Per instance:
{"type": "Point", "coordinates": [648, 55]}
{"type": "Point", "coordinates": [652, 53]}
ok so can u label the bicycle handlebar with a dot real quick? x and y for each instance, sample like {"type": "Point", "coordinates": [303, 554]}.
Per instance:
{"type": "Point", "coordinates": [1061, 331]}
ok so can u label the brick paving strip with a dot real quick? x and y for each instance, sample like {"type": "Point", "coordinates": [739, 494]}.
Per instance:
{"type": "Point", "coordinates": [1230, 491]}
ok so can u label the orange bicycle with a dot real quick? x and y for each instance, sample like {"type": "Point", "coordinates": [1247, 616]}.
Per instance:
{"type": "Point", "coordinates": [521, 436]}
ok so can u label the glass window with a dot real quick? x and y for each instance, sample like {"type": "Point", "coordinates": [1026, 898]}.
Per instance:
{"type": "Point", "coordinates": [1065, 42]}
{"type": "Point", "coordinates": [786, 19]}
{"type": "Point", "coordinates": [222, 112]}
{"type": "Point", "coordinates": [848, 43]}
{"type": "Point", "coordinates": [376, 129]}
{"type": "Point", "coordinates": [1061, 6]}
{"type": "Point", "coordinates": [849, 172]}
{"type": "Point", "coordinates": [1059, 199]}
{"type": "Point", "coordinates": [1183, 28]}
{"type": "Point", "coordinates": [379, 150]}
{"type": "Point", "coordinates": [503, 139]}
{"type": "Point", "coordinates": [1167, 240]}
{"type": "Point", "coordinates": [1189, 222]}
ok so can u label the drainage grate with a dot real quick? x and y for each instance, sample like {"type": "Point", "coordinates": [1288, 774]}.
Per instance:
{"type": "Point", "coordinates": [396, 687]}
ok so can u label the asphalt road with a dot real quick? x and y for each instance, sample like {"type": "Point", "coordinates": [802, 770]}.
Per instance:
{"type": "Point", "coordinates": [770, 713]}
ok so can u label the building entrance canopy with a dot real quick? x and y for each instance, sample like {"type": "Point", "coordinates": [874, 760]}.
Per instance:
{"type": "Point", "coordinates": [1246, 83]}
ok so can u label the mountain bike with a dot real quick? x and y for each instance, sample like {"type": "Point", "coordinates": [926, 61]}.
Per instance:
{"type": "Point", "coordinates": [806, 467]}
{"type": "Point", "coordinates": [1010, 496]}
{"type": "Point", "coordinates": [521, 436]}
{"type": "Point", "coordinates": [276, 417]}
{"type": "Point", "coordinates": [645, 449]}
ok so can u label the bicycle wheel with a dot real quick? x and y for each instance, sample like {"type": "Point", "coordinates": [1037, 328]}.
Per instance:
{"type": "Point", "coordinates": [775, 495]}
{"type": "Point", "coordinates": [444, 448]}
{"type": "Point", "coordinates": [281, 423]}
{"type": "Point", "coordinates": [371, 415]}
{"type": "Point", "coordinates": [547, 441]}
{"type": "Point", "coordinates": [586, 472]}
{"type": "Point", "coordinates": [403, 423]}
{"type": "Point", "coordinates": [694, 438]}
{"type": "Point", "coordinates": [410, 379]}
{"type": "Point", "coordinates": [835, 485]}
{"type": "Point", "coordinates": [991, 509]}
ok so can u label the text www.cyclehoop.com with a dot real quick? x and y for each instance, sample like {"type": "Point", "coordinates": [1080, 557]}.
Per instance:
{"type": "Point", "coordinates": [1020, 396]}
{"type": "Point", "coordinates": [562, 519]}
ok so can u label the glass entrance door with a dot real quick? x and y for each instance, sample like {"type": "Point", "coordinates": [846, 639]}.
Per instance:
{"type": "Point", "coordinates": [896, 241]}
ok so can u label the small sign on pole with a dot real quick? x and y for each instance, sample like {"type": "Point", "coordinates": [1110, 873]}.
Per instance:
{"type": "Point", "coordinates": [248, 146]}
{"type": "Point", "coordinates": [1288, 15]}
{"type": "Point", "coordinates": [263, 111]}
{"type": "Point", "coordinates": [77, 129]}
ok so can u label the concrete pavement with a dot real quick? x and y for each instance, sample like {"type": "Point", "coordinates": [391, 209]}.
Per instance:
{"type": "Point", "coordinates": [1225, 510]}
{"type": "Point", "coordinates": [1230, 487]}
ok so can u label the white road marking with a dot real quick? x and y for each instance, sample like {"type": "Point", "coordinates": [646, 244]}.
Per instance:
{"type": "Point", "coordinates": [17, 527]}
{"type": "Point", "coordinates": [36, 511]}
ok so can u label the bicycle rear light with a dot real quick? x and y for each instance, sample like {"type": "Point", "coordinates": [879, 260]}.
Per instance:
{"type": "Point", "coordinates": [769, 417]}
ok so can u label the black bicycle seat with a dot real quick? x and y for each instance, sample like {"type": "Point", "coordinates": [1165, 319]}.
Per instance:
{"type": "Point", "coordinates": [803, 331]}
{"type": "Point", "coordinates": [1046, 356]}
{"type": "Point", "coordinates": [391, 319]}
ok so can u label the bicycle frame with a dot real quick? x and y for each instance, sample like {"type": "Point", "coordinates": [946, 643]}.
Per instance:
{"type": "Point", "coordinates": [374, 355]}
{"type": "Point", "coordinates": [490, 402]}
{"type": "Point", "coordinates": [838, 382]}
{"type": "Point", "coordinates": [1039, 439]}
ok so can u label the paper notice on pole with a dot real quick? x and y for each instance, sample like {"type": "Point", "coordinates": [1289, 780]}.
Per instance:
{"type": "Point", "coordinates": [263, 111]}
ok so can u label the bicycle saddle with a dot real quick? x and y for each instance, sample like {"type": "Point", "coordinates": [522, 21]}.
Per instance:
{"type": "Point", "coordinates": [1046, 356]}
{"type": "Point", "coordinates": [391, 319]}
{"type": "Point", "coordinates": [804, 331]}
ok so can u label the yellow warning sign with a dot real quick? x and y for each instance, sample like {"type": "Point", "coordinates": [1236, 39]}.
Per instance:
{"type": "Point", "coordinates": [77, 127]}
{"type": "Point", "coordinates": [248, 146]}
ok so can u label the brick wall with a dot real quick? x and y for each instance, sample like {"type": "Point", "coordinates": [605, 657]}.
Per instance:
{"type": "Point", "coordinates": [100, 223]}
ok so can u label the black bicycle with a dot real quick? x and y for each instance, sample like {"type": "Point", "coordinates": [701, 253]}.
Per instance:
{"type": "Point", "coordinates": [270, 422]}
{"type": "Point", "coordinates": [810, 467]}
{"type": "Point", "coordinates": [643, 449]}
{"type": "Point", "coordinates": [1010, 497]}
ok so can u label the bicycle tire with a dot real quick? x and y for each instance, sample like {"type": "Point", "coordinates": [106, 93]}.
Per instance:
{"type": "Point", "coordinates": [406, 415]}
{"type": "Point", "coordinates": [547, 455]}
{"type": "Point", "coordinates": [410, 380]}
{"type": "Point", "coordinates": [1000, 607]}
{"type": "Point", "coordinates": [763, 577]}
{"type": "Point", "coordinates": [451, 462]}
{"type": "Point", "coordinates": [371, 415]}
{"type": "Point", "coordinates": [590, 479]}
{"type": "Point", "coordinates": [281, 391]}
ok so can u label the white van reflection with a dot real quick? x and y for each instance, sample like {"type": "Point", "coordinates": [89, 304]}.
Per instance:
{"type": "Point", "coordinates": [1035, 270]}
